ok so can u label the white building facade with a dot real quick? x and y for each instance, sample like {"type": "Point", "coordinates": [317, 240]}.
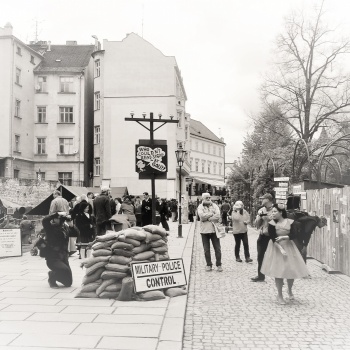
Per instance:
{"type": "Point", "coordinates": [132, 76]}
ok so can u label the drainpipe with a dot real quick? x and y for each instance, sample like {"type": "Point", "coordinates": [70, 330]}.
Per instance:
{"type": "Point", "coordinates": [11, 166]}
{"type": "Point", "coordinates": [80, 121]}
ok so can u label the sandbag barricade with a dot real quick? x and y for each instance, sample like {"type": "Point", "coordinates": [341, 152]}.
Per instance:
{"type": "Point", "coordinates": [108, 272]}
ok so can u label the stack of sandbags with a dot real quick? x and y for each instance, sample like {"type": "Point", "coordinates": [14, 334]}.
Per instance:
{"type": "Point", "coordinates": [108, 272]}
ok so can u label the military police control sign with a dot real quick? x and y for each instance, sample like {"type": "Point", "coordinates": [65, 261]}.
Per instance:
{"type": "Point", "coordinates": [158, 275]}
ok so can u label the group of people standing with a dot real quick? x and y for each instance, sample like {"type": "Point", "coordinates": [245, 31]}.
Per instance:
{"type": "Point", "coordinates": [280, 244]}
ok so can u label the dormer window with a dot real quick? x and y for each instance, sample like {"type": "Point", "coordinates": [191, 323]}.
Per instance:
{"type": "Point", "coordinates": [19, 51]}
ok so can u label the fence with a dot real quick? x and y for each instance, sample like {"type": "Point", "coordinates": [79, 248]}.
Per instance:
{"type": "Point", "coordinates": [331, 244]}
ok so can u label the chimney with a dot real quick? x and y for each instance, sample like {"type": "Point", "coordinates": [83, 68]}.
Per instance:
{"type": "Point", "coordinates": [48, 46]}
{"type": "Point", "coordinates": [71, 42]}
{"type": "Point", "coordinates": [8, 29]}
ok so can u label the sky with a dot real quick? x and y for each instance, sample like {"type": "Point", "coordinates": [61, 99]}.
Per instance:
{"type": "Point", "coordinates": [222, 47]}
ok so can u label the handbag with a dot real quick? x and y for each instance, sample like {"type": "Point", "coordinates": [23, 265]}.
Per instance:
{"type": "Point", "coordinates": [220, 230]}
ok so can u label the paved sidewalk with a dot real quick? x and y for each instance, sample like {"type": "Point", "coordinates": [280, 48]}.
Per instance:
{"type": "Point", "coordinates": [35, 317]}
{"type": "Point", "coordinates": [228, 311]}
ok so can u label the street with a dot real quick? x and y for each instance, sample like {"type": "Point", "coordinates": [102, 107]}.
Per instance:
{"type": "Point", "coordinates": [228, 311]}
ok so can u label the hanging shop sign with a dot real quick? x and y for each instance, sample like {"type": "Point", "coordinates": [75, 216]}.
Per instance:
{"type": "Point", "coordinates": [283, 184]}
{"type": "Point", "coordinates": [10, 242]}
{"type": "Point", "coordinates": [149, 276]}
{"type": "Point", "coordinates": [151, 159]}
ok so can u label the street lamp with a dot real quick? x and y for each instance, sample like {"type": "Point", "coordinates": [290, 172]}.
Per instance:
{"type": "Point", "coordinates": [180, 157]}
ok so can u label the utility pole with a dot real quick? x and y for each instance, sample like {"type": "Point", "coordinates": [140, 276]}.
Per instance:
{"type": "Point", "coordinates": [151, 130]}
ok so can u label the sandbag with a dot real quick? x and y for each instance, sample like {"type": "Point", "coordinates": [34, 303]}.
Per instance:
{"type": "Point", "coordinates": [90, 270]}
{"type": "Point", "coordinates": [94, 276]}
{"type": "Point", "coordinates": [93, 260]}
{"type": "Point", "coordinates": [123, 260]}
{"type": "Point", "coordinates": [108, 295]}
{"type": "Point", "coordinates": [102, 252]}
{"type": "Point", "coordinates": [126, 289]}
{"type": "Point", "coordinates": [122, 252]}
{"type": "Point", "coordinates": [91, 287]}
{"type": "Point", "coordinates": [122, 245]}
{"type": "Point", "coordinates": [152, 295]}
{"type": "Point", "coordinates": [144, 255]}
{"type": "Point", "coordinates": [117, 267]}
{"type": "Point", "coordinates": [158, 243]}
{"type": "Point", "coordinates": [103, 285]}
{"type": "Point", "coordinates": [86, 295]}
{"type": "Point", "coordinates": [150, 237]}
{"type": "Point", "coordinates": [162, 257]}
{"type": "Point", "coordinates": [115, 287]}
{"type": "Point", "coordinates": [142, 248]}
{"type": "Point", "coordinates": [175, 292]}
{"type": "Point", "coordinates": [102, 245]}
{"type": "Point", "coordinates": [134, 242]}
{"type": "Point", "coordinates": [162, 250]}
{"type": "Point", "coordinates": [109, 235]}
{"type": "Point", "coordinates": [106, 275]}
{"type": "Point", "coordinates": [155, 229]}
{"type": "Point", "coordinates": [135, 234]}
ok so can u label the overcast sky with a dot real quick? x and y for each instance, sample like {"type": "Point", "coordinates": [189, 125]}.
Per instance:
{"type": "Point", "coordinates": [222, 47]}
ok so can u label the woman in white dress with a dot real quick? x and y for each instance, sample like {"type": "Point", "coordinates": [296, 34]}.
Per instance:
{"type": "Point", "coordinates": [282, 258]}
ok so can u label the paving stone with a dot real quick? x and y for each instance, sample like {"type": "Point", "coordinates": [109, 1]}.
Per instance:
{"type": "Point", "coordinates": [29, 295]}
{"type": "Point", "coordinates": [127, 343]}
{"type": "Point", "coordinates": [139, 311]}
{"type": "Point", "coordinates": [172, 329]}
{"type": "Point", "coordinates": [37, 327]}
{"type": "Point", "coordinates": [120, 330]}
{"type": "Point", "coordinates": [88, 310]}
{"type": "Point", "coordinates": [149, 319]}
{"type": "Point", "coordinates": [61, 317]}
{"type": "Point", "coordinates": [33, 308]}
{"type": "Point", "coordinates": [12, 316]}
{"type": "Point", "coordinates": [169, 345]}
{"type": "Point", "coordinates": [87, 302]}
{"type": "Point", "coordinates": [7, 338]}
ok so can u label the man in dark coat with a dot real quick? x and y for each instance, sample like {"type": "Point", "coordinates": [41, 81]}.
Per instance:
{"type": "Point", "coordinates": [102, 211]}
{"type": "Point", "coordinates": [146, 210]}
{"type": "Point", "coordinates": [164, 211]}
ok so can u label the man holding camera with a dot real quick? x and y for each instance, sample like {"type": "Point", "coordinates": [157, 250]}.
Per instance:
{"type": "Point", "coordinates": [262, 222]}
{"type": "Point", "coordinates": [58, 227]}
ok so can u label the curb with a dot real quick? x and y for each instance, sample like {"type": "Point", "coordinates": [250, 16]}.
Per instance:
{"type": "Point", "coordinates": [171, 333]}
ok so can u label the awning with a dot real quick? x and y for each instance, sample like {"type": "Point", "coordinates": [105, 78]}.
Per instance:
{"type": "Point", "coordinates": [210, 182]}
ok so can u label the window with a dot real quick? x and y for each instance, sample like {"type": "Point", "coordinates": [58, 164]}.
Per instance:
{"type": "Point", "coordinates": [97, 100]}
{"type": "Point", "coordinates": [191, 162]}
{"type": "Point", "coordinates": [66, 145]}
{"type": "Point", "coordinates": [179, 118]}
{"type": "Point", "coordinates": [41, 84]}
{"type": "Point", "coordinates": [97, 167]}
{"type": "Point", "coordinates": [97, 134]}
{"type": "Point", "coordinates": [19, 51]}
{"type": "Point", "coordinates": [16, 174]}
{"type": "Point", "coordinates": [40, 176]}
{"type": "Point", "coordinates": [18, 108]}
{"type": "Point", "coordinates": [219, 151]}
{"type": "Point", "coordinates": [209, 166]}
{"type": "Point", "coordinates": [197, 165]}
{"type": "Point", "coordinates": [203, 165]}
{"type": "Point", "coordinates": [220, 165]}
{"type": "Point", "coordinates": [65, 178]}
{"type": "Point", "coordinates": [66, 114]}
{"type": "Point", "coordinates": [97, 68]}
{"type": "Point", "coordinates": [66, 84]}
{"type": "Point", "coordinates": [41, 114]}
{"type": "Point", "coordinates": [41, 142]}
{"type": "Point", "coordinates": [18, 76]}
{"type": "Point", "coordinates": [17, 143]}
{"type": "Point", "coordinates": [214, 166]}
{"type": "Point", "coordinates": [32, 59]}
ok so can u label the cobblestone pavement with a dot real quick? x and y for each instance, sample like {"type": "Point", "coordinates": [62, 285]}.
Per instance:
{"type": "Point", "coordinates": [228, 311]}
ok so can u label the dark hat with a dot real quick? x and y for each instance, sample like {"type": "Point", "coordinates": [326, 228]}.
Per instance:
{"type": "Point", "coordinates": [267, 196]}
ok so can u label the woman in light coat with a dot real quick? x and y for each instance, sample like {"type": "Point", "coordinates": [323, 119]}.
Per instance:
{"type": "Point", "coordinates": [240, 219]}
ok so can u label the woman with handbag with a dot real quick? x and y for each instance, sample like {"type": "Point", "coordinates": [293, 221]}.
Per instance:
{"type": "Point", "coordinates": [85, 223]}
{"type": "Point", "coordinates": [240, 219]}
{"type": "Point", "coordinates": [282, 258]}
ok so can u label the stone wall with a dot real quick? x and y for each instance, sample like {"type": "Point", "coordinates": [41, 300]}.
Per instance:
{"type": "Point", "coordinates": [25, 192]}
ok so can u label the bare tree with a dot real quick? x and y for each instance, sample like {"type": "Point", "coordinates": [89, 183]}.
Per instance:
{"type": "Point", "coordinates": [307, 83]}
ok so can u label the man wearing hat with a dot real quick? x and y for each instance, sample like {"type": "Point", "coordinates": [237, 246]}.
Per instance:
{"type": "Point", "coordinates": [102, 211]}
{"type": "Point", "coordinates": [262, 222]}
{"type": "Point", "coordinates": [209, 215]}
{"type": "Point", "coordinates": [146, 210]}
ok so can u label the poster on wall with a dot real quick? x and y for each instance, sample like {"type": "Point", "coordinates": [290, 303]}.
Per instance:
{"type": "Point", "coordinates": [10, 242]}
{"type": "Point", "coordinates": [335, 215]}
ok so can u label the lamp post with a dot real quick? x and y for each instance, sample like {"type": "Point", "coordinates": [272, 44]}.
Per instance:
{"type": "Point", "coordinates": [180, 157]}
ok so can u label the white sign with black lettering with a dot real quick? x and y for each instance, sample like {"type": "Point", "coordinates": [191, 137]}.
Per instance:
{"type": "Point", "coordinates": [10, 242]}
{"type": "Point", "coordinates": [281, 179]}
{"type": "Point", "coordinates": [158, 275]}
{"type": "Point", "coordinates": [280, 189]}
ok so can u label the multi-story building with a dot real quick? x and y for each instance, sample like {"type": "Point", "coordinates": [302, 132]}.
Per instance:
{"type": "Point", "coordinates": [207, 161]}
{"type": "Point", "coordinates": [133, 77]}
{"type": "Point", "coordinates": [46, 98]}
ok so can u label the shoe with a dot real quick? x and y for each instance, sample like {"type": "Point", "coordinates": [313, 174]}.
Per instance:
{"type": "Point", "coordinates": [248, 260]}
{"type": "Point", "coordinates": [238, 259]}
{"type": "Point", "coordinates": [219, 269]}
{"type": "Point", "coordinates": [52, 282]}
{"type": "Point", "coordinates": [208, 268]}
{"type": "Point", "coordinates": [257, 279]}
{"type": "Point", "coordinates": [281, 301]}
{"type": "Point", "coordinates": [291, 296]}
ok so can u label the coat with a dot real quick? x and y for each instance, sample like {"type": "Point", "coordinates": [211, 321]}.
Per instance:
{"type": "Point", "coordinates": [238, 219]}
{"type": "Point", "coordinates": [102, 208]}
{"type": "Point", "coordinates": [208, 216]}
{"type": "Point", "coordinates": [85, 226]}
